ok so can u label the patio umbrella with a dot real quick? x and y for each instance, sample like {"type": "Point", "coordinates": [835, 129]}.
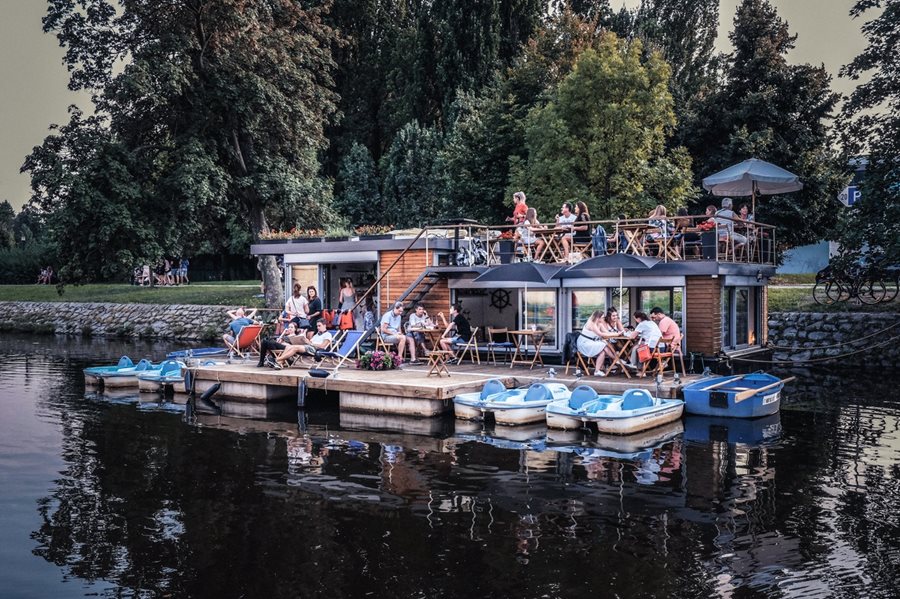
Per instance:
{"type": "Point", "coordinates": [752, 177]}
{"type": "Point", "coordinates": [520, 272]}
{"type": "Point", "coordinates": [599, 266]}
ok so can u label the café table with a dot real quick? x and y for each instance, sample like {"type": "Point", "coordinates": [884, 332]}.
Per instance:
{"type": "Point", "coordinates": [552, 238]}
{"type": "Point", "coordinates": [520, 340]}
{"type": "Point", "coordinates": [626, 344]}
{"type": "Point", "coordinates": [634, 238]}
{"type": "Point", "coordinates": [432, 335]}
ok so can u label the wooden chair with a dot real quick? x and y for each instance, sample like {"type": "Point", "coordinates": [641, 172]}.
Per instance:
{"type": "Point", "coordinates": [247, 341]}
{"type": "Point", "coordinates": [437, 362]}
{"type": "Point", "coordinates": [493, 334]}
{"type": "Point", "coordinates": [662, 358]}
{"type": "Point", "coordinates": [381, 344]}
{"type": "Point", "coordinates": [585, 248]}
{"type": "Point", "coordinates": [471, 346]}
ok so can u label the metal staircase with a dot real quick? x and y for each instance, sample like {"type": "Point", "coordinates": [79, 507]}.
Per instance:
{"type": "Point", "coordinates": [418, 289]}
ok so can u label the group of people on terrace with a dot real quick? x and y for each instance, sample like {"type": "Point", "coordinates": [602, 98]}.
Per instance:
{"type": "Point", "coordinates": [603, 331]}
{"type": "Point", "coordinates": [412, 337]}
{"type": "Point", "coordinates": [572, 236]}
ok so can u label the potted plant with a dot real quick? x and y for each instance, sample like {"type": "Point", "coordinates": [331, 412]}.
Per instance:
{"type": "Point", "coordinates": [374, 232]}
{"type": "Point", "coordinates": [275, 236]}
{"type": "Point", "coordinates": [506, 246]}
{"type": "Point", "coordinates": [309, 235]}
{"type": "Point", "coordinates": [378, 360]}
{"type": "Point", "coordinates": [337, 234]}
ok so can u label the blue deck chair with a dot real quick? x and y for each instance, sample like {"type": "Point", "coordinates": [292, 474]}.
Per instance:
{"type": "Point", "coordinates": [349, 346]}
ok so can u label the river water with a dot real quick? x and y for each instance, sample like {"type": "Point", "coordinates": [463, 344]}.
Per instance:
{"type": "Point", "coordinates": [127, 496]}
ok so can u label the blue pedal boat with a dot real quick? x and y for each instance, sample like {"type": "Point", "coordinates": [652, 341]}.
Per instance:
{"type": "Point", "coordinates": [634, 411]}
{"type": "Point", "coordinates": [510, 407]}
{"type": "Point", "coordinates": [740, 396]}
{"type": "Point", "coordinates": [126, 377]}
{"type": "Point", "coordinates": [170, 373]}
{"type": "Point", "coordinates": [92, 374]}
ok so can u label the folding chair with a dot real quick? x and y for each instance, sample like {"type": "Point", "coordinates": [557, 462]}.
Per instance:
{"type": "Point", "coordinates": [662, 357]}
{"type": "Point", "coordinates": [381, 344]}
{"type": "Point", "coordinates": [585, 248]}
{"type": "Point", "coordinates": [493, 344]}
{"type": "Point", "coordinates": [349, 346]}
{"type": "Point", "coordinates": [470, 346]}
{"type": "Point", "coordinates": [247, 341]}
{"type": "Point", "coordinates": [298, 359]}
{"type": "Point", "coordinates": [572, 343]}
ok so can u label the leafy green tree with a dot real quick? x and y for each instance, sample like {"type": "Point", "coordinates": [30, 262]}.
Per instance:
{"type": "Point", "coordinates": [218, 115]}
{"type": "Point", "coordinates": [601, 139]}
{"type": "Point", "coordinates": [768, 109]}
{"type": "Point", "coordinates": [412, 180]}
{"type": "Point", "coordinates": [871, 121]}
{"type": "Point", "coordinates": [28, 225]}
{"type": "Point", "coordinates": [359, 199]}
{"type": "Point", "coordinates": [7, 221]}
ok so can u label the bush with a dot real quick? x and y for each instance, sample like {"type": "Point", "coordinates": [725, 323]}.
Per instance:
{"type": "Point", "coordinates": [21, 265]}
{"type": "Point", "coordinates": [379, 360]}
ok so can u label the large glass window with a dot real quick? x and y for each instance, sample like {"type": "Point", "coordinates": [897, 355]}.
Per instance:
{"type": "Point", "coordinates": [622, 303]}
{"type": "Point", "coordinates": [584, 303]}
{"type": "Point", "coordinates": [740, 316]}
{"type": "Point", "coordinates": [539, 309]}
{"type": "Point", "coordinates": [669, 299]}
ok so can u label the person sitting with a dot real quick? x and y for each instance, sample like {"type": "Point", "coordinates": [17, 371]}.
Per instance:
{"type": "Point", "coordinates": [525, 233]}
{"type": "Point", "coordinates": [239, 319]}
{"type": "Point", "coordinates": [591, 342]}
{"type": "Point", "coordinates": [668, 328]}
{"type": "Point", "coordinates": [391, 321]}
{"type": "Point", "coordinates": [458, 326]}
{"type": "Point", "coordinates": [417, 320]}
{"type": "Point", "coordinates": [321, 340]}
{"type": "Point", "coordinates": [281, 342]}
{"type": "Point", "coordinates": [688, 239]}
{"type": "Point", "coordinates": [297, 308]}
{"type": "Point", "coordinates": [581, 231]}
{"type": "Point", "coordinates": [648, 333]}
{"type": "Point", "coordinates": [663, 227]}
{"type": "Point", "coordinates": [725, 221]}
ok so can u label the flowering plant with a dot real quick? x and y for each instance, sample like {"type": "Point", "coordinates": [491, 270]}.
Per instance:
{"type": "Point", "coordinates": [507, 234]}
{"type": "Point", "coordinates": [378, 360]}
{"type": "Point", "coordinates": [294, 233]}
{"type": "Point", "coordinates": [372, 229]}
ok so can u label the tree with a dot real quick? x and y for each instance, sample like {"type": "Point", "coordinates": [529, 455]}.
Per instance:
{"type": "Point", "coordinates": [359, 199]}
{"type": "Point", "coordinates": [7, 220]}
{"type": "Point", "coordinates": [601, 139]}
{"type": "Point", "coordinates": [218, 111]}
{"type": "Point", "coordinates": [412, 181]}
{"type": "Point", "coordinates": [871, 120]}
{"type": "Point", "coordinates": [768, 109]}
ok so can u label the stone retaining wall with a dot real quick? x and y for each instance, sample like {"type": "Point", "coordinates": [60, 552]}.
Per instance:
{"type": "Point", "coordinates": [813, 335]}
{"type": "Point", "coordinates": [115, 320]}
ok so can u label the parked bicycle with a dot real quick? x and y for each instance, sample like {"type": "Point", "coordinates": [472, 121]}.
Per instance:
{"type": "Point", "coordinates": [868, 285]}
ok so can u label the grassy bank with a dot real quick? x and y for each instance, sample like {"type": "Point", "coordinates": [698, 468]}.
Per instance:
{"type": "Point", "coordinates": [800, 299]}
{"type": "Point", "coordinates": [227, 293]}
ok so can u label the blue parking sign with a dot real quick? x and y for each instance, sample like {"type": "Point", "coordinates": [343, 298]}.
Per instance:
{"type": "Point", "coordinates": [849, 196]}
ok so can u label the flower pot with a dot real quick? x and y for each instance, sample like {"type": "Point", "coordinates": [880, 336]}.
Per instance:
{"type": "Point", "coordinates": [506, 249]}
{"type": "Point", "coordinates": [376, 237]}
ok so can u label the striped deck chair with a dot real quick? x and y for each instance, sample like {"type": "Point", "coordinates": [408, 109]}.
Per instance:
{"type": "Point", "coordinates": [247, 341]}
{"type": "Point", "coordinates": [299, 361]}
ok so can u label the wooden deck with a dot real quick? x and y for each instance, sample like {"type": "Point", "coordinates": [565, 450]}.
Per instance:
{"type": "Point", "coordinates": [407, 390]}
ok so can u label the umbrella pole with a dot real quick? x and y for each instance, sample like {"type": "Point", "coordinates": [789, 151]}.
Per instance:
{"type": "Point", "coordinates": [620, 294]}
{"type": "Point", "coordinates": [753, 199]}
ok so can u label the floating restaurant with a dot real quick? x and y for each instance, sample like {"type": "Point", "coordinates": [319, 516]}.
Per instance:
{"type": "Point", "coordinates": [713, 286]}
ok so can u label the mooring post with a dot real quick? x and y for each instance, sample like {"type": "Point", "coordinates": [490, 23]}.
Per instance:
{"type": "Point", "coordinates": [301, 393]}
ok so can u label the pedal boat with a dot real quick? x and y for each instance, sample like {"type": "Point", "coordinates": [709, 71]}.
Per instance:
{"type": "Point", "coordinates": [93, 373]}
{"type": "Point", "coordinates": [126, 377]}
{"type": "Point", "coordinates": [509, 407]}
{"type": "Point", "coordinates": [170, 373]}
{"type": "Point", "coordinates": [634, 411]}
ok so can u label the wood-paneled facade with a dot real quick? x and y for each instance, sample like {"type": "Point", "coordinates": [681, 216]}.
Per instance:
{"type": "Point", "coordinates": [703, 314]}
{"type": "Point", "coordinates": [403, 274]}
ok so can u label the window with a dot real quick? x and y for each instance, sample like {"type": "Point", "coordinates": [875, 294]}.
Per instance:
{"type": "Point", "coordinates": [740, 316]}
{"type": "Point", "coordinates": [584, 302]}
{"type": "Point", "coordinates": [669, 299]}
{"type": "Point", "coordinates": [540, 309]}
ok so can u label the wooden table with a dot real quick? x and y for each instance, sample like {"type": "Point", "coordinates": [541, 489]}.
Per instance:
{"type": "Point", "coordinates": [520, 355]}
{"type": "Point", "coordinates": [552, 239]}
{"type": "Point", "coordinates": [627, 343]}
{"type": "Point", "coordinates": [433, 335]}
{"type": "Point", "coordinates": [634, 238]}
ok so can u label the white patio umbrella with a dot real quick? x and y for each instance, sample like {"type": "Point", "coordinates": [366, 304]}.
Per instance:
{"type": "Point", "coordinates": [752, 177]}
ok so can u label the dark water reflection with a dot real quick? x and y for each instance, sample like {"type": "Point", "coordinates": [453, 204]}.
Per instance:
{"type": "Point", "coordinates": [128, 496]}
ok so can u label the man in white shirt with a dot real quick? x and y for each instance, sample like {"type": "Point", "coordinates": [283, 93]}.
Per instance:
{"type": "Point", "coordinates": [726, 225]}
{"type": "Point", "coordinates": [648, 333]}
{"type": "Point", "coordinates": [321, 340]}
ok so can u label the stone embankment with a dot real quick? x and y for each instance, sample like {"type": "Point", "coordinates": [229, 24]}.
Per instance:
{"type": "Point", "coordinates": [816, 336]}
{"type": "Point", "coordinates": [115, 320]}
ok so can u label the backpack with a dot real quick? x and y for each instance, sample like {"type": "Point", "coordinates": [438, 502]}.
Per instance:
{"type": "Point", "coordinates": [598, 240]}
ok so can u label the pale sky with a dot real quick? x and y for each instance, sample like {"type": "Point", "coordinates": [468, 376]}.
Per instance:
{"type": "Point", "coordinates": [35, 94]}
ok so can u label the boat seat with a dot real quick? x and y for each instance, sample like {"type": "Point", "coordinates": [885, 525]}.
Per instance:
{"type": "Point", "coordinates": [580, 396]}
{"type": "Point", "coordinates": [169, 366]}
{"type": "Point", "coordinates": [143, 365]}
{"type": "Point", "coordinates": [125, 362]}
{"type": "Point", "coordinates": [492, 387]}
{"type": "Point", "coordinates": [538, 392]}
{"type": "Point", "coordinates": [634, 399]}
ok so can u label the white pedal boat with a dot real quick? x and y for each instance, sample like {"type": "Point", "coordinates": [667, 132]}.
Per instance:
{"type": "Point", "coordinates": [126, 377]}
{"type": "Point", "coordinates": [634, 411]}
{"type": "Point", "coordinates": [92, 374]}
{"type": "Point", "coordinates": [510, 407]}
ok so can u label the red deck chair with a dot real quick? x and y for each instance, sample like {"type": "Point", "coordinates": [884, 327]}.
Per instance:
{"type": "Point", "coordinates": [247, 341]}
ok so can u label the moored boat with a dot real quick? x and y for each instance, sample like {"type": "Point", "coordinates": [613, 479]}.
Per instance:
{"type": "Point", "coordinates": [512, 407]}
{"type": "Point", "coordinates": [741, 396]}
{"type": "Point", "coordinates": [92, 374]}
{"type": "Point", "coordinates": [125, 377]}
{"type": "Point", "coordinates": [198, 352]}
{"type": "Point", "coordinates": [466, 405]}
{"type": "Point", "coordinates": [634, 411]}
{"type": "Point", "coordinates": [170, 373]}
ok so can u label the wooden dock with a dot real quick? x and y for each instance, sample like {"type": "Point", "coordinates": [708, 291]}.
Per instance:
{"type": "Point", "coordinates": [405, 391]}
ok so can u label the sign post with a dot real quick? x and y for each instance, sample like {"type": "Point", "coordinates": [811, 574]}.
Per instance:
{"type": "Point", "coordinates": [849, 196]}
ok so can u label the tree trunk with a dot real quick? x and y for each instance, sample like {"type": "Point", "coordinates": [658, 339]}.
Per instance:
{"type": "Point", "coordinates": [271, 274]}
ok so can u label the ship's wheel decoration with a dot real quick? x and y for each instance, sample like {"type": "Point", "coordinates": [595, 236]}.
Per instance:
{"type": "Point", "coordinates": [500, 299]}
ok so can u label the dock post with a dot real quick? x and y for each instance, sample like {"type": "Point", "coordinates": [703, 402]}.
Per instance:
{"type": "Point", "coordinates": [301, 393]}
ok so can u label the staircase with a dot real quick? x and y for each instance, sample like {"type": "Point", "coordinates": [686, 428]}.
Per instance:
{"type": "Point", "coordinates": [418, 289]}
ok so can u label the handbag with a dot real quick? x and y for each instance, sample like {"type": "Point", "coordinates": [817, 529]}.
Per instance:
{"type": "Point", "coordinates": [346, 321]}
{"type": "Point", "coordinates": [643, 352]}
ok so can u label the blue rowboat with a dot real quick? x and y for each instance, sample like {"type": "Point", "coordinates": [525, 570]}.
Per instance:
{"type": "Point", "coordinates": [634, 411]}
{"type": "Point", "coordinates": [199, 352]}
{"type": "Point", "coordinates": [92, 374]}
{"type": "Point", "coordinates": [741, 396]}
{"type": "Point", "coordinates": [510, 407]}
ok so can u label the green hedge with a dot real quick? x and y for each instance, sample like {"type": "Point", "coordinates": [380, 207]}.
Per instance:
{"type": "Point", "coordinates": [21, 265]}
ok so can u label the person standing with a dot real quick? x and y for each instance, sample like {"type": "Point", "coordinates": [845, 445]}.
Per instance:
{"type": "Point", "coordinates": [296, 308]}
{"type": "Point", "coordinates": [314, 310]}
{"type": "Point", "coordinates": [347, 298]}
{"type": "Point", "coordinates": [519, 209]}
